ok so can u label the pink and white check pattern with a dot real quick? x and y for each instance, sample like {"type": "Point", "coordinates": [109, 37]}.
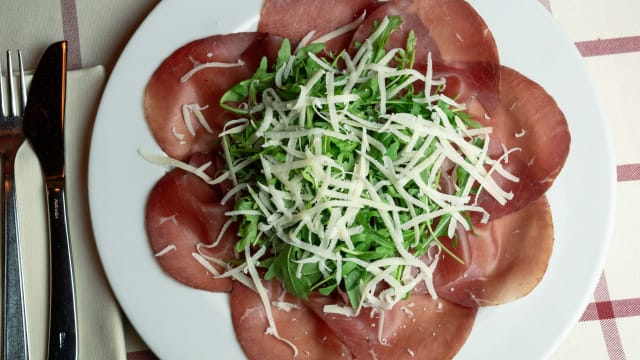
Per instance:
{"type": "Point", "coordinates": [616, 312]}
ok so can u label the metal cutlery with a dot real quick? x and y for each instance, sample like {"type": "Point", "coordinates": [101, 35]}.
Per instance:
{"type": "Point", "coordinates": [44, 129]}
{"type": "Point", "coordinates": [14, 325]}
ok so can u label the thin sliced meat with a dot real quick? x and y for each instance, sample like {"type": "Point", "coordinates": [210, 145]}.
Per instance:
{"type": "Point", "coordinates": [183, 211]}
{"type": "Point", "coordinates": [425, 43]}
{"type": "Point", "coordinates": [294, 19]}
{"type": "Point", "coordinates": [167, 93]}
{"type": "Point", "coordinates": [416, 328]}
{"type": "Point", "coordinates": [460, 32]}
{"type": "Point", "coordinates": [529, 120]}
{"type": "Point", "coordinates": [469, 54]}
{"type": "Point", "coordinates": [503, 260]}
{"type": "Point", "coordinates": [462, 47]}
{"type": "Point", "coordinates": [299, 325]}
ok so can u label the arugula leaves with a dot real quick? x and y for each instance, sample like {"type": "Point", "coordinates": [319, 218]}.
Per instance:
{"type": "Point", "coordinates": [326, 163]}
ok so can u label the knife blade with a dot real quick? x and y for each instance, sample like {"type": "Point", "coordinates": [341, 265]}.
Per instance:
{"type": "Point", "coordinates": [43, 127]}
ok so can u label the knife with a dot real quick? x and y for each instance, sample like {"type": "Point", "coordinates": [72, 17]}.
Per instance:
{"type": "Point", "coordinates": [43, 126]}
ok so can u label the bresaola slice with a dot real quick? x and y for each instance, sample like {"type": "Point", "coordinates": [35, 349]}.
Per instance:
{"type": "Point", "coordinates": [529, 121]}
{"type": "Point", "coordinates": [175, 89]}
{"type": "Point", "coordinates": [183, 211]}
{"type": "Point", "coordinates": [503, 260]}
{"type": "Point", "coordinates": [467, 48]}
{"type": "Point", "coordinates": [462, 48]}
{"type": "Point", "coordinates": [294, 321]}
{"type": "Point", "coordinates": [411, 22]}
{"type": "Point", "coordinates": [416, 328]}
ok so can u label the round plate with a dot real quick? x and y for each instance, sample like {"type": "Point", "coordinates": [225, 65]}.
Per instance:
{"type": "Point", "coordinates": [178, 322]}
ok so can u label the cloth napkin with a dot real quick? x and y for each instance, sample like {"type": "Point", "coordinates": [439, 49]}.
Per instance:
{"type": "Point", "coordinates": [100, 331]}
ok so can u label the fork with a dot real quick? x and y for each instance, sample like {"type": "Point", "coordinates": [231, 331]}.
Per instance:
{"type": "Point", "coordinates": [14, 325]}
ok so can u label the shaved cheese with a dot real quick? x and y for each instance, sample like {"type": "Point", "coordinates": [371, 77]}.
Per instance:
{"type": "Point", "coordinates": [177, 135]}
{"type": "Point", "coordinates": [195, 109]}
{"type": "Point", "coordinates": [285, 306]}
{"type": "Point", "coordinates": [340, 310]}
{"type": "Point", "coordinates": [327, 67]}
{"type": "Point", "coordinates": [206, 264]}
{"type": "Point", "coordinates": [243, 212]}
{"type": "Point", "coordinates": [234, 127]}
{"type": "Point", "coordinates": [165, 250]}
{"type": "Point", "coordinates": [171, 219]}
{"type": "Point", "coordinates": [221, 234]}
{"type": "Point", "coordinates": [341, 30]}
{"type": "Point", "coordinates": [305, 40]}
{"type": "Point", "coordinates": [168, 161]}
{"type": "Point", "coordinates": [198, 67]}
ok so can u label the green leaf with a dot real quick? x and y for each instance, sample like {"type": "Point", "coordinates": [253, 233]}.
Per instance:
{"type": "Point", "coordinates": [248, 229]}
{"type": "Point", "coordinates": [249, 88]}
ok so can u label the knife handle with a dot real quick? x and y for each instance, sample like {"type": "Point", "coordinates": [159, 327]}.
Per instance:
{"type": "Point", "coordinates": [63, 328]}
{"type": "Point", "coordinates": [14, 324]}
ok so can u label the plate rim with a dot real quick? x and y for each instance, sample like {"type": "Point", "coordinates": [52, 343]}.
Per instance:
{"type": "Point", "coordinates": [94, 157]}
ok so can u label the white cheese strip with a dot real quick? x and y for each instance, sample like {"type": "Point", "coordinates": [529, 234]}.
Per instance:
{"type": "Point", "coordinates": [213, 64]}
{"type": "Point", "coordinates": [166, 250]}
{"type": "Point", "coordinates": [341, 30]}
{"type": "Point", "coordinates": [262, 292]}
{"type": "Point", "coordinates": [167, 161]}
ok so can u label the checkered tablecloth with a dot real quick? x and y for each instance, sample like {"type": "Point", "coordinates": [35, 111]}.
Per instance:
{"type": "Point", "coordinates": [607, 34]}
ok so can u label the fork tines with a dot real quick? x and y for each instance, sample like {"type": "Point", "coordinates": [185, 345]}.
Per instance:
{"type": "Point", "coordinates": [14, 109]}
{"type": "Point", "coordinates": [14, 325]}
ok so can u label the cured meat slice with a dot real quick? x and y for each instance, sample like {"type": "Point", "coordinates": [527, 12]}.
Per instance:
{"type": "Point", "coordinates": [294, 19]}
{"type": "Point", "coordinates": [183, 211]}
{"type": "Point", "coordinates": [425, 43]}
{"type": "Point", "coordinates": [294, 322]}
{"type": "Point", "coordinates": [529, 121]}
{"type": "Point", "coordinates": [173, 91]}
{"type": "Point", "coordinates": [467, 48]}
{"type": "Point", "coordinates": [503, 260]}
{"type": "Point", "coordinates": [417, 328]}
{"type": "Point", "coordinates": [461, 45]}
{"type": "Point", "coordinates": [460, 32]}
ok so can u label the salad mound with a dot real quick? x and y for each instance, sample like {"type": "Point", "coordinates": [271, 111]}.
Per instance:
{"type": "Point", "coordinates": [360, 192]}
{"type": "Point", "coordinates": [338, 166]}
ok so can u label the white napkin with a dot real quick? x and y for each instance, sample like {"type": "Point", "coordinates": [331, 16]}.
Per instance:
{"type": "Point", "coordinates": [100, 334]}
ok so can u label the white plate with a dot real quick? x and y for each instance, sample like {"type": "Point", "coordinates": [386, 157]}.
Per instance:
{"type": "Point", "coordinates": [182, 323]}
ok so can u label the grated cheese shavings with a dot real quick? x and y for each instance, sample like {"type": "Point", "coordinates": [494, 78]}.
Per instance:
{"type": "Point", "coordinates": [165, 250]}
{"type": "Point", "coordinates": [214, 64]}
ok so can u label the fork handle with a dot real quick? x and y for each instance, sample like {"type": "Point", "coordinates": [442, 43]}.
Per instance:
{"type": "Point", "coordinates": [63, 329]}
{"type": "Point", "coordinates": [14, 325]}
